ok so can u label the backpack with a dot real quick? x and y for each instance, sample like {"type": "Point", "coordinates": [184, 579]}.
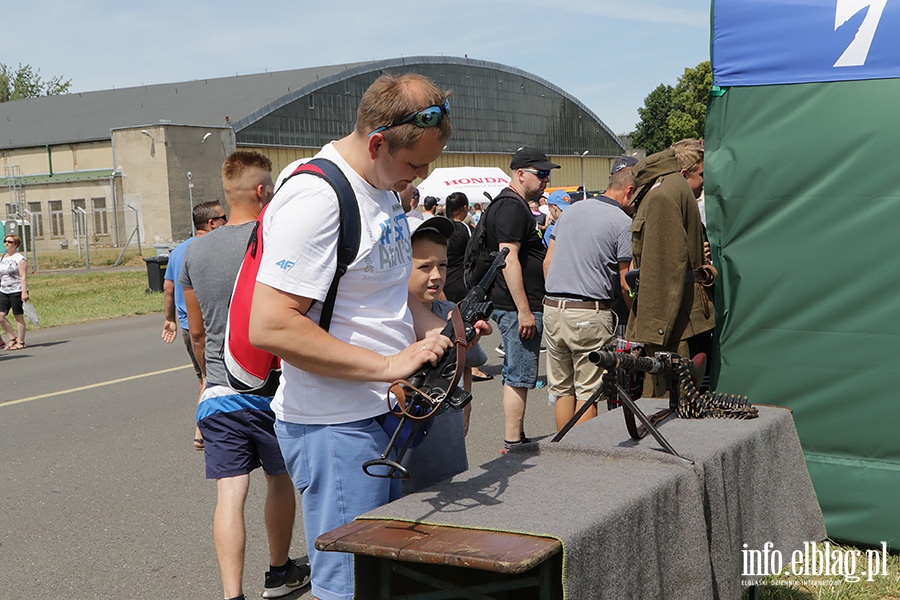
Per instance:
{"type": "Point", "coordinates": [249, 369]}
{"type": "Point", "coordinates": [478, 256]}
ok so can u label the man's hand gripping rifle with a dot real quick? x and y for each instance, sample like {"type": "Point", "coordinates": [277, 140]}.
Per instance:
{"type": "Point", "coordinates": [434, 388]}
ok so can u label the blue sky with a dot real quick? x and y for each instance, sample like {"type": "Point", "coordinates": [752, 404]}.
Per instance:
{"type": "Point", "coordinates": [610, 55]}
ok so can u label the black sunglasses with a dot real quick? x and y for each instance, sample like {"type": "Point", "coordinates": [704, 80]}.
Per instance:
{"type": "Point", "coordinates": [545, 174]}
{"type": "Point", "coordinates": [427, 117]}
{"type": "Point", "coordinates": [223, 218]}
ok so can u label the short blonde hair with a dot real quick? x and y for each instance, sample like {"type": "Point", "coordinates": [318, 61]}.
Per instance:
{"type": "Point", "coordinates": [689, 153]}
{"type": "Point", "coordinates": [392, 97]}
{"type": "Point", "coordinates": [242, 161]}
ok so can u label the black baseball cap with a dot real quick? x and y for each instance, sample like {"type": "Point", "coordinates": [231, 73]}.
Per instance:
{"type": "Point", "coordinates": [442, 225]}
{"type": "Point", "coordinates": [531, 157]}
{"type": "Point", "coordinates": [621, 163]}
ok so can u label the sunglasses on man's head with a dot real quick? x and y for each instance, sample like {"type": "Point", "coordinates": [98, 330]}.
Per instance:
{"type": "Point", "coordinates": [545, 174]}
{"type": "Point", "coordinates": [427, 117]}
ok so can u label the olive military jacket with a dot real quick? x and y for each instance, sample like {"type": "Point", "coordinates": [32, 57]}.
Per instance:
{"type": "Point", "coordinates": [667, 243]}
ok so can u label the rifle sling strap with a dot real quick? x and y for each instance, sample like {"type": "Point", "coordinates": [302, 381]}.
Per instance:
{"type": "Point", "coordinates": [399, 388]}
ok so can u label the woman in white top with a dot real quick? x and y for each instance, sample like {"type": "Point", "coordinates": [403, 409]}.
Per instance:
{"type": "Point", "coordinates": [13, 291]}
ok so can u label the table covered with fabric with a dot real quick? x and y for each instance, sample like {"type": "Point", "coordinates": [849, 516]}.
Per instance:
{"type": "Point", "coordinates": [635, 522]}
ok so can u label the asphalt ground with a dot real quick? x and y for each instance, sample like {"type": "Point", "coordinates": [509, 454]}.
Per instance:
{"type": "Point", "coordinates": [101, 491]}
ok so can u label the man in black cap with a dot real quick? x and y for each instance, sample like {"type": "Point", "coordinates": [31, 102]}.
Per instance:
{"type": "Point", "coordinates": [519, 289]}
{"type": "Point", "coordinates": [623, 162]}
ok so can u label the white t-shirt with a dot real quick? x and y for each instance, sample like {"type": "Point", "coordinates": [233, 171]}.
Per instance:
{"type": "Point", "coordinates": [300, 232]}
{"type": "Point", "coordinates": [10, 280]}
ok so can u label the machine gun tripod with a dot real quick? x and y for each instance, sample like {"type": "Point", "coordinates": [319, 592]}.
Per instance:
{"type": "Point", "coordinates": [684, 399]}
{"type": "Point", "coordinates": [611, 388]}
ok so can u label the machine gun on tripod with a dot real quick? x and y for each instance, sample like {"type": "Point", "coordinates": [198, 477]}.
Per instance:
{"type": "Point", "coordinates": [684, 399]}
{"type": "Point", "coordinates": [434, 388]}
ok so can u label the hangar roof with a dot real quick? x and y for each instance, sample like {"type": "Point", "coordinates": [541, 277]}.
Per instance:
{"type": "Point", "coordinates": [239, 101]}
{"type": "Point", "coordinates": [89, 116]}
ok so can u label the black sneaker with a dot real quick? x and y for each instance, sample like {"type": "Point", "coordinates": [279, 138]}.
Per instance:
{"type": "Point", "coordinates": [500, 349]}
{"type": "Point", "coordinates": [278, 584]}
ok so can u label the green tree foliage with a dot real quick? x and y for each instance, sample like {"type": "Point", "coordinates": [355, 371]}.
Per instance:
{"type": "Point", "coordinates": [652, 133]}
{"type": "Point", "coordinates": [25, 82]}
{"type": "Point", "coordinates": [671, 114]}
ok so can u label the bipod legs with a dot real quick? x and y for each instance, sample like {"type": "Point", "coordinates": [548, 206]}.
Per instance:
{"type": "Point", "coordinates": [631, 410]}
{"type": "Point", "coordinates": [592, 401]}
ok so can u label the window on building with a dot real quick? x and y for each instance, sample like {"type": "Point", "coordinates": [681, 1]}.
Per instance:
{"type": "Point", "coordinates": [101, 221]}
{"type": "Point", "coordinates": [11, 209]}
{"type": "Point", "coordinates": [77, 216]}
{"type": "Point", "coordinates": [37, 219]}
{"type": "Point", "coordinates": [57, 223]}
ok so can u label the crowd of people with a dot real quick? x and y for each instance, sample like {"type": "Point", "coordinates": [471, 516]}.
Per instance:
{"type": "Point", "coordinates": [563, 284]}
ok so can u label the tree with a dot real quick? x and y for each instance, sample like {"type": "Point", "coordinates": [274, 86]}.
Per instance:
{"type": "Point", "coordinates": [25, 82]}
{"type": "Point", "coordinates": [652, 133]}
{"type": "Point", "coordinates": [671, 114]}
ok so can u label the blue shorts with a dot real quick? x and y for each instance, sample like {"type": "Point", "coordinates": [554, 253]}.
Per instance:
{"type": "Point", "coordinates": [325, 464]}
{"type": "Point", "coordinates": [520, 365]}
{"type": "Point", "coordinates": [238, 441]}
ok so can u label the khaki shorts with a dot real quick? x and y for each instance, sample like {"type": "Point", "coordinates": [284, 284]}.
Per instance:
{"type": "Point", "coordinates": [570, 334]}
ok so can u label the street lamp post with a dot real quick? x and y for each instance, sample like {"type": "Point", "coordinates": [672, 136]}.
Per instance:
{"type": "Point", "coordinates": [583, 184]}
{"type": "Point", "coordinates": [191, 203]}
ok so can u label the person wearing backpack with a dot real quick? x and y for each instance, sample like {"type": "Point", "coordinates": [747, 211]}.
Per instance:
{"type": "Point", "coordinates": [238, 428]}
{"type": "Point", "coordinates": [519, 291]}
{"type": "Point", "coordinates": [334, 384]}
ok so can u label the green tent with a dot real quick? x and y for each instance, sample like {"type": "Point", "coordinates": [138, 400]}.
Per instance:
{"type": "Point", "coordinates": [802, 199]}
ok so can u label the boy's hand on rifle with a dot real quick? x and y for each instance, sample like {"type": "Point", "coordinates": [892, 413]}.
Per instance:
{"type": "Point", "coordinates": [481, 328]}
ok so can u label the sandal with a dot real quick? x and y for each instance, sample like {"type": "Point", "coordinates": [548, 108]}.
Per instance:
{"type": "Point", "coordinates": [17, 346]}
{"type": "Point", "coordinates": [11, 345]}
{"type": "Point", "coordinates": [479, 375]}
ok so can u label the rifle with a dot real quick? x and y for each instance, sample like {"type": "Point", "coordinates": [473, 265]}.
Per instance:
{"type": "Point", "coordinates": [433, 388]}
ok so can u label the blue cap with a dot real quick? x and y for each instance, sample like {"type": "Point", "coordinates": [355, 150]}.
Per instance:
{"type": "Point", "coordinates": [560, 199]}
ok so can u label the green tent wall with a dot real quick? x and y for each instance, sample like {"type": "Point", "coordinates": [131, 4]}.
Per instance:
{"type": "Point", "coordinates": [803, 209]}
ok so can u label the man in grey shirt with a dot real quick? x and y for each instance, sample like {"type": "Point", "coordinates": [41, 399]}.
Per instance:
{"type": "Point", "coordinates": [588, 254]}
{"type": "Point", "coordinates": [238, 429]}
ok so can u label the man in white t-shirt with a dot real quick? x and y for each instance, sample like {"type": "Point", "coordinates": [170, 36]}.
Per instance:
{"type": "Point", "coordinates": [334, 384]}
